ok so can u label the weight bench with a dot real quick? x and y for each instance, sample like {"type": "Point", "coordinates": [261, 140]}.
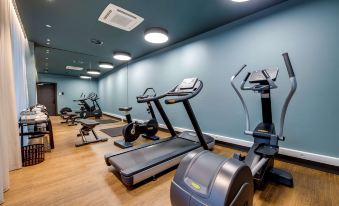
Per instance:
{"type": "Point", "coordinates": [88, 126]}
{"type": "Point", "coordinates": [70, 118]}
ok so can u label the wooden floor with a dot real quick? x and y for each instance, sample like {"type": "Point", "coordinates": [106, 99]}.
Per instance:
{"type": "Point", "coordinates": [79, 176]}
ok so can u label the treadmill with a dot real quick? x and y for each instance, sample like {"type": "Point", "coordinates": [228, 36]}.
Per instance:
{"type": "Point", "coordinates": [147, 160]}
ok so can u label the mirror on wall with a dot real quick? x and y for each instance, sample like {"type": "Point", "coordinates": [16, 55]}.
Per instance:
{"type": "Point", "coordinates": [67, 63]}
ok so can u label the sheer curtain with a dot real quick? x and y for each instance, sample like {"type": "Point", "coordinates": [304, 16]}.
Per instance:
{"type": "Point", "coordinates": [13, 90]}
{"type": "Point", "coordinates": [19, 48]}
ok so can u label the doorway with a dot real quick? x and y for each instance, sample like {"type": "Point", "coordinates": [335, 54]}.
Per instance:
{"type": "Point", "coordinates": [47, 95]}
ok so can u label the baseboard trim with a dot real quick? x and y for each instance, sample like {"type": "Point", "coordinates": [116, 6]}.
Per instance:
{"type": "Point", "coordinates": [308, 156]}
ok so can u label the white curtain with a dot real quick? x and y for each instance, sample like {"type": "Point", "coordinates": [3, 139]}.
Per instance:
{"type": "Point", "coordinates": [13, 90]}
{"type": "Point", "coordinates": [19, 49]}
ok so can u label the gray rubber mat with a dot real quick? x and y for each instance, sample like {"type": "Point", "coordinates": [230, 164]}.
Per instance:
{"type": "Point", "coordinates": [113, 132]}
{"type": "Point", "coordinates": [106, 121]}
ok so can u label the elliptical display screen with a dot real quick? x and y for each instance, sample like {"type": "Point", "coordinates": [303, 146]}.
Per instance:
{"type": "Point", "coordinates": [258, 77]}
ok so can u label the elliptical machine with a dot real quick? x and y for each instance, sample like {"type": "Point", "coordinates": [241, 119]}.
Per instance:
{"type": "Point", "coordinates": [204, 178]}
{"type": "Point", "coordinates": [133, 130]}
{"type": "Point", "coordinates": [95, 108]}
{"type": "Point", "coordinates": [85, 109]}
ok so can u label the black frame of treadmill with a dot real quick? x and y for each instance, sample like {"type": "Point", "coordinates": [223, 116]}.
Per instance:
{"type": "Point", "coordinates": [164, 116]}
{"type": "Point", "coordinates": [156, 162]}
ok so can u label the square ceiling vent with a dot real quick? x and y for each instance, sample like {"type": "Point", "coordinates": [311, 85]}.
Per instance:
{"type": "Point", "coordinates": [120, 18]}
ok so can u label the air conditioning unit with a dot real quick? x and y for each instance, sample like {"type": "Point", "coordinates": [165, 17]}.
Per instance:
{"type": "Point", "coordinates": [120, 18]}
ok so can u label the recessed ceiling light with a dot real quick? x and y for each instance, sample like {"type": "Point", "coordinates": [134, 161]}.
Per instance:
{"type": "Point", "coordinates": [97, 42]}
{"type": "Point", "coordinates": [106, 65]}
{"type": "Point", "coordinates": [46, 58]}
{"type": "Point", "coordinates": [48, 43]}
{"type": "Point", "coordinates": [123, 56]}
{"type": "Point", "coordinates": [85, 77]}
{"type": "Point", "coordinates": [93, 71]}
{"type": "Point", "coordinates": [74, 68]}
{"type": "Point", "coordinates": [48, 39]}
{"type": "Point", "coordinates": [48, 26]}
{"type": "Point", "coordinates": [156, 35]}
{"type": "Point", "coordinates": [240, 0]}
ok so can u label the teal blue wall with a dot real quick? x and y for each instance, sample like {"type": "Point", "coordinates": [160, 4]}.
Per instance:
{"type": "Point", "coordinates": [308, 30]}
{"type": "Point", "coordinates": [31, 75]}
{"type": "Point", "coordinates": [72, 88]}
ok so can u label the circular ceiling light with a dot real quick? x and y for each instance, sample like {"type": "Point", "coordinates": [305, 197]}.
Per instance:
{"type": "Point", "coordinates": [105, 65]}
{"type": "Point", "coordinates": [93, 71]}
{"type": "Point", "coordinates": [48, 26]}
{"type": "Point", "coordinates": [85, 77]}
{"type": "Point", "coordinates": [97, 42]}
{"type": "Point", "coordinates": [122, 56]}
{"type": "Point", "coordinates": [156, 35]}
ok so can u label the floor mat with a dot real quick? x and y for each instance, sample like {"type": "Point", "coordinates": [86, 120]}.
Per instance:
{"type": "Point", "coordinates": [106, 121]}
{"type": "Point", "coordinates": [113, 132]}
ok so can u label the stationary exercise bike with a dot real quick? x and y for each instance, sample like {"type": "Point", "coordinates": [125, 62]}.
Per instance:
{"type": "Point", "coordinates": [205, 178]}
{"type": "Point", "coordinates": [133, 130]}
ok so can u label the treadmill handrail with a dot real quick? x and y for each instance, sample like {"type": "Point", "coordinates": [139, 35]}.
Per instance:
{"type": "Point", "coordinates": [151, 98]}
{"type": "Point", "coordinates": [182, 96]}
{"type": "Point", "coordinates": [144, 96]}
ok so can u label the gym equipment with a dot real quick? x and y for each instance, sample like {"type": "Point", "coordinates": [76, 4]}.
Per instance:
{"type": "Point", "coordinates": [63, 114]}
{"type": "Point", "coordinates": [88, 126]}
{"type": "Point", "coordinates": [132, 130]}
{"type": "Point", "coordinates": [85, 109]}
{"type": "Point", "coordinates": [204, 178]}
{"type": "Point", "coordinates": [141, 162]}
{"type": "Point", "coordinates": [69, 116]}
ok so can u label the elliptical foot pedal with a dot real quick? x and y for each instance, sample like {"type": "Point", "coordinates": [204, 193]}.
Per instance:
{"type": "Point", "coordinates": [151, 137]}
{"type": "Point", "coordinates": [123, 144]}
{"type": "Point", "coordinates": [281, 176]}
{"type": "Point", "coordinates": [239, 156]}
{"type": "Point", "coordinates": [267, 150]}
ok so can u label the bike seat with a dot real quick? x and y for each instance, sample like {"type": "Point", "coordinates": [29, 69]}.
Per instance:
{"type": "Point", "coordinates": [125, 109]}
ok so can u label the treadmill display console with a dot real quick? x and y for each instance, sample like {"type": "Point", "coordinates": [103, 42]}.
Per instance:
{"type": "Point", "coordinates": [187, 84]}
{"type": "Point", "coordinates": [258, 77]}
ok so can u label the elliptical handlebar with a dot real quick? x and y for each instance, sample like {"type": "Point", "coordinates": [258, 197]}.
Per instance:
{"type": "Point", "coordinates": [288, 65]}
{"type": "Point", "coordinates": [182, 96]}
{"type": "Point", "coordinates": [271, 85]}
{"type": "Point", "coordinates": [268, 78]}
{"type": "Point", "coordinates": [248, 126]}
{"type": "Point", "coordinates": [293, 88]}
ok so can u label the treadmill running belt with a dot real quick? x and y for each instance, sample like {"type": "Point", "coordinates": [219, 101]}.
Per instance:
{"type": "Point", "coordinates": [132, 162]}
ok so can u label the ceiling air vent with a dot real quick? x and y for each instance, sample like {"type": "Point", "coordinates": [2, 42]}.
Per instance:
{"type": "Point", "coordinates": [120, 18]}
{"type": "Point", "coordinates": [74, 68]}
